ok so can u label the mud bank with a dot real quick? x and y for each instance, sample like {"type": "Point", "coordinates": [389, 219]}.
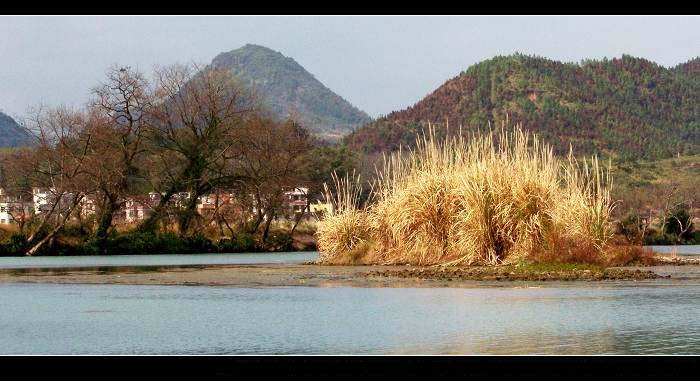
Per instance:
{"type": "Point", "coordinates": [510, 273]}
{"type": "Point", "coordinates": [310, 275]}
{"type": "Point", "coordinates": [668, 260]}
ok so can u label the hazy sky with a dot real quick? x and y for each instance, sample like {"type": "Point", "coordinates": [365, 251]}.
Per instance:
{"type": "Point", "coordinates": [379, 64]}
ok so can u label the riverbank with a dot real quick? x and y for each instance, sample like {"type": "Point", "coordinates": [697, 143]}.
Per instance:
{"type": "Point", "coordinates": [312, 275]}
{"type": "Point", "coordinates": [135, 242]}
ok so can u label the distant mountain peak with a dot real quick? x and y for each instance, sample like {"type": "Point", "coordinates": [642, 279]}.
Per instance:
{"type": "Point", "coordinates": [11, 133]}
{"type": "Point", "coordinates": [289, 89]}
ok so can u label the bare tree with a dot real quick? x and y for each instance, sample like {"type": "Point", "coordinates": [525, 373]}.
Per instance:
{"type": "Point", "coordinates": [120, 108]}
{"type": "Point", "coordinates": [15, 173]}
{"type": "Point", "coordinates": [190, 128]}
{"type": "Point", "coordinates": [269, 163]}
{"type": "Point", "coordinates": [58, 170]}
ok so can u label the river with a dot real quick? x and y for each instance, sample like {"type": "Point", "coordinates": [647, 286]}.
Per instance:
{"type": "Point", "coordinates": [548, 318]}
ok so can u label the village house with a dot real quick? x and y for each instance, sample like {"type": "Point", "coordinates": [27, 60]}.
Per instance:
{"type": "Point", "coordinates": [41, 198]}
{"type": "Point", "coordinates": [296, 200]}
{"type": "Point", "coordinates": [209, 203]}
{"type": "Point", "coordinates": [88, 206]}
{"type": "Point", "coordinates": [140, 207]}
{"type": "Point", "coordinates": [13, 210]}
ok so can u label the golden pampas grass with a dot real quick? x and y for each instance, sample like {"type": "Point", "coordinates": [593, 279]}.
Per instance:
{"type": "Point", "coordinates": [493, 198]}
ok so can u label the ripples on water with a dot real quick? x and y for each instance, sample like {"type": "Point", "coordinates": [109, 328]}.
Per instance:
{"type": "Point", "coordinates": [124, 319]}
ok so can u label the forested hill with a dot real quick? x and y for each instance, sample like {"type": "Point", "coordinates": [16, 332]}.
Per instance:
{"type": "Point", "coordinates": [11, 134]}
{"type": "Point", "coordinates": [288, 89]}
{"type": "Point", "coordinates": [628, 107]}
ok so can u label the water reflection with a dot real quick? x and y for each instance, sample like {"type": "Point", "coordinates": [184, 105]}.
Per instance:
{"type": "Point", "coordinates": [157, 260]}
{"type": "Point", "coordinates": [677, 340]}
{"type": "Point", "coordinates": [103, 270]}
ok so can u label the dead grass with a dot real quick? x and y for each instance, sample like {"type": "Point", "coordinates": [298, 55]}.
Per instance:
{"type": "Point", "coordinates": [630, 255]}
{"type": "Point", "coordinates": [490, 199]}
{"type": "Point", "coordinates": [345, 229]}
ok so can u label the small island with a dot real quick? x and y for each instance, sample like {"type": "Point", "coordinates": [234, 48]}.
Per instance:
{"type": "Point", "coordinates": [490, 206]}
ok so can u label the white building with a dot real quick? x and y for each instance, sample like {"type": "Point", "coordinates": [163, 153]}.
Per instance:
{"type": "Point", "coordinates": [138, 209]}
{"type": "Point", "coordinates": [88, 206]}
{"type": "Point", "coordinates": [41, 198]}
{"type": "Point", "coordinates": [208, 203]}
{"type": "Point", "coordinates": [296, 200]}
{"type": "Point", "coordinates": [12, 210]}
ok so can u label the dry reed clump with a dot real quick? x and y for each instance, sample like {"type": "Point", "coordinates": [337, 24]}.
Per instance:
{"type": "Point", "coordinates": [344, 231]}
{"type": "Point", "coordinates": [494, 198]}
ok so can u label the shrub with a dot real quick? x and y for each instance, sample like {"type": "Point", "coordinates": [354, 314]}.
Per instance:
{"type": "Point", "coordinates": [631, 227]}
{"type": "Point", "coordinates": [678, 223]}
{"type": "Point", "coordinates": [563, 249]}
{"type": "Point", "coordinates": [280, 241]}
{"type": "Point", "coordinates": [242, 242]}
{"type": "Point", "coordinates": [144, 242]}
{"type": "Point", "coordinates": [199, 244]}
{"type": "Point", "coordinates": [14, 245]}
{"type": "Point", "coordinates": [628, 255]}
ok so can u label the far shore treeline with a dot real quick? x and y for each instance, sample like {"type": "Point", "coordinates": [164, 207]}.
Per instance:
{"type": "Point", "coordinates": [180, 134]}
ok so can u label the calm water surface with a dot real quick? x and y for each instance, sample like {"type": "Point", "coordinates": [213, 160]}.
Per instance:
{"type": "Point", "coordinates": [157, 260]}
{"type": "Point", "coordinates": [650, 317]}
{"type": "Point", "coordinates": [121, 319]}
{"type": "Point", "coordinates": [679, 249]}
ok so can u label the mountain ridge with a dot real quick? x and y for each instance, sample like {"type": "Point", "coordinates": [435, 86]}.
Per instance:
{"type": "Point", "coordinates": [11, 133]}
{"type": "Point", "coordinates": [627, 107]}
{"type": "Point", "coordinates": [290, 90]}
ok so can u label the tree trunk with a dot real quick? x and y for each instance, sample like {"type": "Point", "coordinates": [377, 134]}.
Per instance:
{"type": "Point", "coordinates": [45, 217]}
{"type": "Point", "coordinates": [110, 207]}
{"type": "Point", "coordinates": [270, 217]}
{"type": "Point", "coordinates": [187, 216]}
{"type": "Point", "coordinates": [254, 228]}
{"type": "Point", "coordinates": [36, 247]}
{"type": "Point", "coordinates": [150, 224]}
{"type": "Point", "coordinates": [228, 226]}
{"type": "Point", "coordinates": [301, 216]}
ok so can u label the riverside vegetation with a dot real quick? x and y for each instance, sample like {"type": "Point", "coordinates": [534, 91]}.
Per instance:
{"type": "Point", "coordinates": [188, 131]}
{"type": "Point", "coordinates": [501, 197]}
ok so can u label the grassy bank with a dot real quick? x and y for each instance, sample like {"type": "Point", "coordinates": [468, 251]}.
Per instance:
{"type": "Point", "coordinates": [497, 198]}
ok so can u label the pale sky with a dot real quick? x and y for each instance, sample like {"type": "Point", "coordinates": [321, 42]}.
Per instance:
{"type": "Point", "coordinates": [380, 64]}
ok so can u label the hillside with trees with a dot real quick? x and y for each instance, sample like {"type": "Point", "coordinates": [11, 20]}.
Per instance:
{"type": "Point", "coordinates": [626, 108]}
{"type": "Point", "coordinates": [288, 90]}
